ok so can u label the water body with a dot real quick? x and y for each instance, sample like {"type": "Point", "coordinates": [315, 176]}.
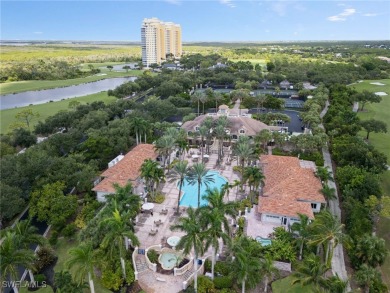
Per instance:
{"type": "Point", "coordinates": [39, 97]}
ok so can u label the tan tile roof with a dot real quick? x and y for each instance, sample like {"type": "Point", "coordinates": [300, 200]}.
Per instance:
{"type": "Point", "coordinates": [127, 169]}
{"type": "Point", "coordinates": [286, 181]}
{"type": "Point", "coordinates": [275, 206]}
{"type": "Point", "coordinates": [251, 126]}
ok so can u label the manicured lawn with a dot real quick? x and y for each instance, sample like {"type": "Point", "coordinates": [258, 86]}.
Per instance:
{"type": "Point", "coordinates": [366, 85]}
{"type": "Point", "coordinates": [49, 109]}
{"type": "Point", "coordinates": [383, 230]}
{"type": "Point", "coordinates": [262, 62]}
{"type": "Point", "coordinates": [285, 286]}
{"type": "Point", "coordinates": [34, 85]}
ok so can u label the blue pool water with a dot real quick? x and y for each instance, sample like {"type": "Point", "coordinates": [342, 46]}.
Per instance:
{"type": "Point", "coordinates": [263, 241]}
{"type": "Point", "coordinates": [190, 196]}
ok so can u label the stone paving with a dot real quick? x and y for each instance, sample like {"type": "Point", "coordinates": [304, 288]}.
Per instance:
{"type": "Point", "coordinates": [154, 282]}
{"type": "Point", "coordinates": [256, 227]}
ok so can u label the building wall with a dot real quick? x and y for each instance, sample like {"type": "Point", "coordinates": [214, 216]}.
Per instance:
{"type": "Point", "coordinates": [101, 196]}
{"type": "Point", "coordinates": [277, 219]}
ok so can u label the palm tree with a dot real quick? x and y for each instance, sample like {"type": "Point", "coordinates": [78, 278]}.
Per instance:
{"type": "Point", "coordinates": [203, 100]}
{"type": "Point", "coordinates": [371, 250]}
{"type": "Point", "coordinates": [203, 132]}
{"type": "Point", "coordinates": [153, 174]}
{"type": "Point", "coordinates": [124, 200]}
{"type": "Point", "coordinates": [194, 238]}
{"type": "Point", "coordinates": [366, 276]}
{"type": "Point", "coordinates": [27, 234]}
{"type": "Point", "coordinates": [137, 125]}
{"type": "Point", "coordinates": [260, 100]}
{"type": "Point", "coordinates": [165, 146]}
{"type": "Point", "coordinates": [179, 173]}
{"type": "Point", "coordinates": [244, 151]}
{"type": "Point", "coordinates": [247, 268]}
{"type": "Point", "coordinates": [220, 134]}
{"type": "Point", "coordinates": [119, 232]}
{"type": "Point", "coordinates": [208, 123]}
{"type": "Point", "coordinates": [225, 189]}
{"type": "Point", "coordinates": [197, 97]}
{"type": "Point", "coordinates": [217, 97]}
{"type": "Point", "coordinates": [328, 192]}
{"type": "Point", "coordinates": [311, 272]}
{"type": "Point", "coordinates": [324, 174]}
{"type": "Point", "coordinates": [268, 270]}
{"type": "Point", "coordinates": [84, 258]}
{"type": "Point", "coordinates": [326, 229]}
{"type": "Point", "coordinates": [198, 174]}
{"type": "Point", "coordinates": [12, 256]}
{"type": "Point", "coordinates": [254, 176]}
{"type": "Point", "coordinates": [264, 136]}
{"type": "Point", "coordinates": [336, 285]}
{"type": "Point", "coordinates": [213, 217]}
{"type": "Point", "coordinates": [301, 228]}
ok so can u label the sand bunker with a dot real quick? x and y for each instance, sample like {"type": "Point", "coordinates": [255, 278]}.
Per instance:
{"type": "Point", "coordinates": [381, 94]}
{"type": "Point", "coordinates": [377, 83]}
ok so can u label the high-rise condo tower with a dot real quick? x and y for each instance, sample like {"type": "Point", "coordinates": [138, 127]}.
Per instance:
{"type": "Point", "coordinates": [159, 40]}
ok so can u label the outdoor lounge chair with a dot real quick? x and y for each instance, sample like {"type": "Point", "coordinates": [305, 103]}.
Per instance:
{"type": "Point", "coordinates": [164, 212]}
{"type": "Point", "coordinates": [158, 223]}
{"type": "Point", "coordinates": [153, 232]}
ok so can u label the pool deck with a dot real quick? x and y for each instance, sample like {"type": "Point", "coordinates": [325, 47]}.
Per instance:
{"type": "Point", "coordinates": [256, 227]}
{"type": "Point", "coordinates": [152, 281]}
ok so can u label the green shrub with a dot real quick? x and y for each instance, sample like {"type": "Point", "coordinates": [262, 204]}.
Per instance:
{"type": "Point", "coordinates": [223, 282]}
{"type": "Point", "coordinates": [222, 268]}
{"type": "Point", "coordinates": [112, 280]}
{"type": "Point", "coordinates": [129, 272]}
{"type": "Point", "coordinates": [45, 257]}
{"type": "Point", "coordinates": [237, 169]}
{"type": "Point", "coordinates": [205, 285]}
{"type": "Point", "coordinates": [53, 238]}
{"type": "Point", "coordinates": [39, 278]}
{"type": "Point", "coordinates": [70, 230]}
{"type": "Point", "coordinates": [207, 265]}
{"type": "Point", "coordinates": [227, 290]}
{"type": "Point", "coordinates": [159, 198]}
{"type": "Point", "coordinates": [153, 256]}
{"type": "Point", "coordinates": [245, 203]}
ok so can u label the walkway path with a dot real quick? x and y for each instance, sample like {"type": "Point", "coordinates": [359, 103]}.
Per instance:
{"type": "Point", "coordinates": [237, 104]}
{"type": "Point", "coordinates": [338, 262]}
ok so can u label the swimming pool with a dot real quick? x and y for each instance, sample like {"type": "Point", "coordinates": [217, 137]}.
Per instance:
{"type": "Point", "coordinates": [263, 241]}
{"type": "Point", "coordinates": [190, 196]}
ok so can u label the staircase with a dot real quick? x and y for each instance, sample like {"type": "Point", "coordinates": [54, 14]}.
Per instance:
{"type": "Point", "coordinates": [187, 274]}
{"type": "Point", "coordinates": [140, 264]}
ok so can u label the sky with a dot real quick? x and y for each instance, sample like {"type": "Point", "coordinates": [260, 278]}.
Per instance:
{"type": "Point", "coordinates": [209, 21]}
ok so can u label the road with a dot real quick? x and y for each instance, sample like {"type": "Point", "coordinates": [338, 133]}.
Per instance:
{"type": "Point", "coordinates": [338, 262]}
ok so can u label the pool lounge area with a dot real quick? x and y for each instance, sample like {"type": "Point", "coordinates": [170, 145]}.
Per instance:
{"type": "Point", "coordinates": [190, 192]}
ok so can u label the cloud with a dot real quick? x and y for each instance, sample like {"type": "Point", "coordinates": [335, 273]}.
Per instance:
{"type": "Point", "coordinates": [227, 3]}
{"type": "Point", "coordinates": [370, 14]}
{"type": "Point", "coordinates": [174, 2]}
{"type": "Point", "coordinates": [37, 33]}
{"type": "Point", "coordinates": [343, 15]}
{"type": "Point", "coordinates": [267, 31]}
